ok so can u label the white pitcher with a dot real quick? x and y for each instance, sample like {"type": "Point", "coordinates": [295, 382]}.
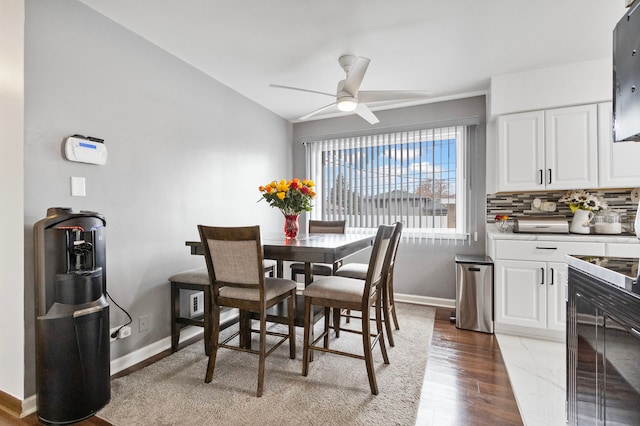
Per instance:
{"type": "Point", "coordinates": [581, 221]}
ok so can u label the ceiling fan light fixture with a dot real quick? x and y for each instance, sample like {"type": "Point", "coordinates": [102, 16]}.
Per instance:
{"type": "Point", "coordinates": [347, 103]}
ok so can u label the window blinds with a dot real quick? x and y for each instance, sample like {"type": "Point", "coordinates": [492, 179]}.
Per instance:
{"type": "Point", "coordinates": [417, 177]}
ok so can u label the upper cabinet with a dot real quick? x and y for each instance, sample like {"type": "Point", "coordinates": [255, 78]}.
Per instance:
{"type": "Point", "coordinates": [617, 162]}
{"type": "Point", "coordinates": [551, 149]}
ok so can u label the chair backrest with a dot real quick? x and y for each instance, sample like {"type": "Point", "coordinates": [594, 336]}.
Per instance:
{"type": "Point", "coordinates": [393, 248]}
{"type": "Point", "coordinates": [327, 226]}
{"type": "Point", "coordinates": [378, 265]}
{"type": "Point", "coordinates": [234, 256]}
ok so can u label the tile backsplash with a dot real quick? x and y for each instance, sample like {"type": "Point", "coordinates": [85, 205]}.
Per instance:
{"type": "Point", "coordinates": [518, 204]}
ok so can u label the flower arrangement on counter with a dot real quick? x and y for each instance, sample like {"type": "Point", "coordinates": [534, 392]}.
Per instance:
{"type": "Point", "coordinates": [292, 197]}
{"type": "Point", "coordinates": [582, 200]}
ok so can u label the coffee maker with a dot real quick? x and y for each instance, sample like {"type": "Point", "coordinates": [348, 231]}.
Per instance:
{"type": "Point", "coordinates": [72, 316]}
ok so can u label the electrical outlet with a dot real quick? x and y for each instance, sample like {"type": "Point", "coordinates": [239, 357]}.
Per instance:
{"type": "Point", "coordinates": [143, 323]}
{"type": "Point", "coordinates": [124, 332]}
{"type": "Point", "coordinates": [119, 332]}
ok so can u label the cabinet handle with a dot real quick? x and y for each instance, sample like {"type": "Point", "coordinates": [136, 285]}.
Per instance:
{"type": "Point", "coordinates": [635, 332]}
{"type": "Point", "coordinates": [552, 275]}
{"type": "Point", "coordinates": [549, 177]}
{"type": "Point", "coordinates": [546, 248]}
{"type": "Point", "coordinates": [542, 275]}
{"type": "Point", "coordinates": [540, 176]}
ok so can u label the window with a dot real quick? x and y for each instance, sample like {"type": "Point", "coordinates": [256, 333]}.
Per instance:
{"type": "Point", "coordinates": [416, 177]}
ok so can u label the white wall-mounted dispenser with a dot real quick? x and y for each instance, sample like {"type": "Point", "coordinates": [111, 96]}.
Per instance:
{"type": "Point", "coordinates": [85, 149]}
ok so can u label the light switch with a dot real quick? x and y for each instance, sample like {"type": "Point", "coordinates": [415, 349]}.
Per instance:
{"type": "Point", "coordinates": [78, 187]}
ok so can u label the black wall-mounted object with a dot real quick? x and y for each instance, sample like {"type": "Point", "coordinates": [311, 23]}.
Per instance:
{"type": "Point", "coordinates": [626, 77]}
{"type": "Point", "coordinates": [72, 316]}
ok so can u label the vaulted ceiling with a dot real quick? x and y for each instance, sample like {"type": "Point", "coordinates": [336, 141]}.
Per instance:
{"type": "Point", "coordinates": [449, 47]}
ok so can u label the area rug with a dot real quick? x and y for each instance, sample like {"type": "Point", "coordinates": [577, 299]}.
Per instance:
{"type": "Point", "coordinates": [336, 391]}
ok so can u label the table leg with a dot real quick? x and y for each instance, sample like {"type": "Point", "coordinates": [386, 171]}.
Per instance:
{"type": "Point", "coordinates": [308, 276]}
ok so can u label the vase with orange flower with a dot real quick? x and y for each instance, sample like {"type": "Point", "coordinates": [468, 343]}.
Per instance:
{"type": "Point", "coordinates": [292, 197]}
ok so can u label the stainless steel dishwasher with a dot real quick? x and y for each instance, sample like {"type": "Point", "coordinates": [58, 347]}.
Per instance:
{"type": "Point", "coordinates": [474, 293]}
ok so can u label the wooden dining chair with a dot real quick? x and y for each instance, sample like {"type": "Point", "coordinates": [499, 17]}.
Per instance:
{"type": "Point", "coordinates": [234, 259]}
{"type": "Point", "coordinates": [336, 292]}
{"type": "Point", "coordinates": [359, 271]}
{"type": "Point", "coordinates": [320, 227]}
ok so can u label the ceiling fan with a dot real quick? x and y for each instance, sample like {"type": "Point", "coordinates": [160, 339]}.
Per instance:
{"type": "Point", "coordinates": [349, 97]}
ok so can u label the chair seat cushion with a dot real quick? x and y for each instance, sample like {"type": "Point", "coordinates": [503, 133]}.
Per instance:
{"type": "Point", "coordinates": [273, 287]}
{"type": "Point", "coordinates": [191, 276]}
{"type": "Point", "coordinates": [336, 288]}
{"type": "Point", "coordinates": [353, 270]}
{"type": "Point", "coordinates": [318, 268]}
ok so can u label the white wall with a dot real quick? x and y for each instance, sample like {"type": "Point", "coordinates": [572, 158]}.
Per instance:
{"type": "Point", "coordinates": [12, 196]}
{"type": "Point", "coordinates": [570, 84]}
{"type": "Point", "coordinates": [183, 150]}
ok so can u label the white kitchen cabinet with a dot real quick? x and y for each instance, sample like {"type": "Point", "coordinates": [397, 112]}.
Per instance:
{"type": "Point", "coordinates": [520, 151]}
{"type": "Point", "coordinates": [551, 149]}
{"type": "Point", "coordinates": [530, 294]}
{"type": "Point", "coordinates": [530, 283]}
{"type": "Point", "coordinates": [617, 162]}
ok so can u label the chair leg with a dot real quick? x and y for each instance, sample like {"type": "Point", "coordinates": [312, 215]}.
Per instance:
{"type": "Point", "coordinates": [262, 351]}
{"type": "Point", "coordinates": [385, 311]}
{"type": "Point", "coordinates": [308, 323]}
{"type": "Point", "coordinates": [392, 302]}
{"type": "Point", "coordinates": [327, 318]}
{"type": "Point", "coordinates": [207, 321]}
{"type": "Point", "coordinates": [368, 355]}
{"type": "Point", "coordinates": [215, 335]}
{"type": "Point", "coordinates": [175, 313]}
{"type": "Point", "coordinates": [336, 321]}
{"type": "Point", "coordinates": [292, 324]}
{"type": "Point", "coordinates": [380, 330]}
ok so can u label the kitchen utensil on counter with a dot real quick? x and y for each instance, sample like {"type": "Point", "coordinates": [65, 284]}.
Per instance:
{"type": "Point", "coordinates": [541, 224]}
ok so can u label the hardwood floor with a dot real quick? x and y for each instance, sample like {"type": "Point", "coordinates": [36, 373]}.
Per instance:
{"type": "Point", "coordinates": [466, 381]}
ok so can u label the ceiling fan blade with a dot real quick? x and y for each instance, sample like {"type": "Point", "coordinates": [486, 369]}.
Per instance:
{"type": "Point", "coordinates": [391, 95]}
{"type": "Point", "coordinates": [355, 76]}
{"type": "Point", "coordinates": [363, 111]}
{"type": "Point", "coordinates": [278, 86]}
{"type": "Point", "coordinates": [319, 110]}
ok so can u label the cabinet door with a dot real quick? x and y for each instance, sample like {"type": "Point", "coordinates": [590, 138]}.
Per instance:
{"type": "Point", "coordinates": [556, 284]}
{"type": "Point", "coordinates": [617, 162]}
{"type": "Point", "coordinates": [520, 293]}
{"type": "Point", "coordinates": [521, 151]}
{"type": "Point", "coordinates": [571, 145]}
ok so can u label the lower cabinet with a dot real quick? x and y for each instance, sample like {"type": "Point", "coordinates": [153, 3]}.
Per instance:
{"type": "Point", "coordinates": [530, 294]}
{"type": "Point", "coordinates": [530, 284]}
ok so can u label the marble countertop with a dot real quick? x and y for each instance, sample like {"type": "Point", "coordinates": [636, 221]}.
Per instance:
{"type": "Point", "coordinates": [493, 232]}
{"type": "Point", "coordinates": [619, 271]}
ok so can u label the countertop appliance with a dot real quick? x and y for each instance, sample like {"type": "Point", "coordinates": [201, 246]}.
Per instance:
{"type": "Point", "coordinates": [549, 224]}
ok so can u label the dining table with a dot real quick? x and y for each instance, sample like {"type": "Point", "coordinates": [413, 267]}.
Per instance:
{"type": "Point", "coordinates": [305, 248]}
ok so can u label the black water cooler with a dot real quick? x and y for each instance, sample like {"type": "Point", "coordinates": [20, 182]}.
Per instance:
{"type": "Point", "coordinates": [72, 316]}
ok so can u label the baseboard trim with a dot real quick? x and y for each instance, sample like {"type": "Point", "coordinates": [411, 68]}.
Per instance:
{"type": "Point", "coordinates": [10, 404]}
{"type": "Point", "coordinates": [423, 300]}
{"type": "Point", "coordinates": [142, 354]}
